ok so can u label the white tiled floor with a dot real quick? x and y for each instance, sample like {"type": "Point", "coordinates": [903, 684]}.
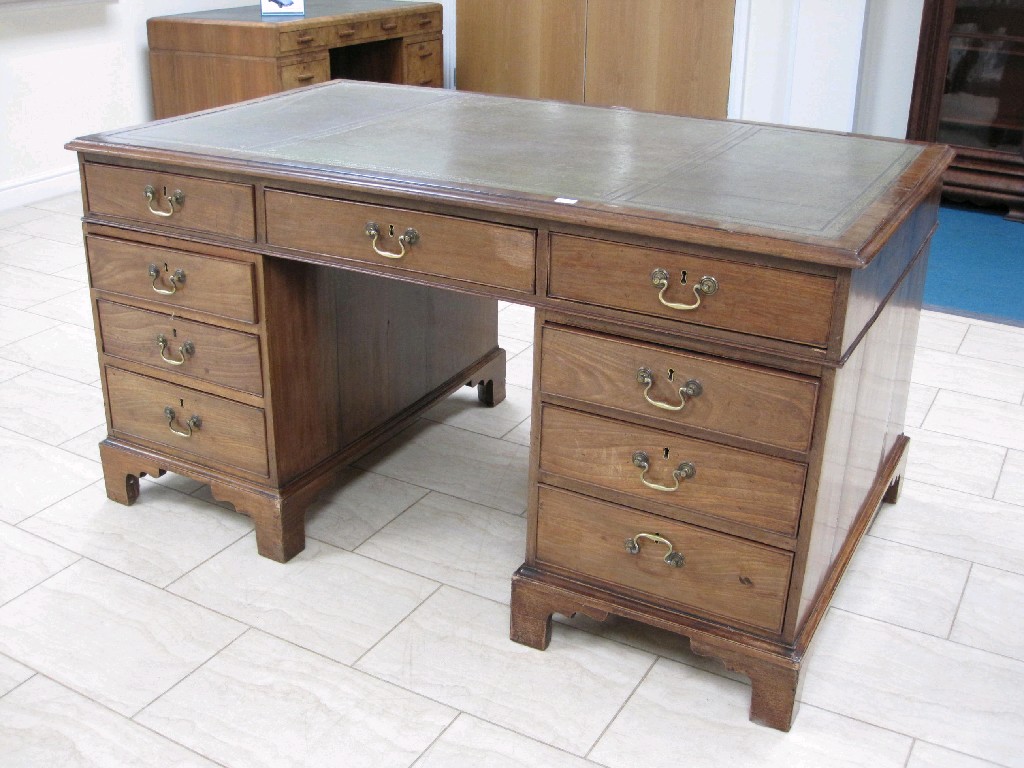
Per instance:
{"type": "Point", "coordinates": [155, 636]}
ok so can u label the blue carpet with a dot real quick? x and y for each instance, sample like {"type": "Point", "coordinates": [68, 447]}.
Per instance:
{"type": "Point", "coordinates": [976, 267]}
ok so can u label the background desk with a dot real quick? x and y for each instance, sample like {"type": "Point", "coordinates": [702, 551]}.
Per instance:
{"type": "Point", "coordinates": [726, 321]}
{"type": "Point", "coordinates": [211, 58]}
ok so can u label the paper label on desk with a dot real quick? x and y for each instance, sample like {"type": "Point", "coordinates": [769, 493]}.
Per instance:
{"type": "Point", "coordinates": [566, 200]}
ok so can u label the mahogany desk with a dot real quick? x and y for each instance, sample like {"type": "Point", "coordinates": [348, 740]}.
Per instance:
{"type": "Point", "coordinates": [726, 319]}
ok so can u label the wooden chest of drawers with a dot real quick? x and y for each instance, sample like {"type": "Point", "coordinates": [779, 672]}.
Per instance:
{"type": "Point", "coordinates": [210, 58]}
{"type": "Point", "coordinates": [721, 370]}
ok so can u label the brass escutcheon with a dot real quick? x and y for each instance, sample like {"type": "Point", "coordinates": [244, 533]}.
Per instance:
{"type": "Point", "coordinates": [707, 285]}
{"type": "Point", "coordinates": [175, 199]}
{"type": "Point", "coordinates": [410, 237]}
{"type": "Point", "coordinates": [685, 471]}
{"type": "Point", "coordinates": [192, 424]}
{"type": "Point", "coordinates": [692, 388]}
{"type": "Point", "coordinates": [672, 558]}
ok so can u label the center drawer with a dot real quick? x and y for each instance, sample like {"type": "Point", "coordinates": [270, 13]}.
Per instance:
{"type": "Point", "coordinates": [714, 574]}
{"type": "Point", "coordinates": [202, 351]}
{"type": "Point", "coordinates": [736, 485]}
{"type": "Point", "coordinates": [224, 432]}
{"type": "Point", "coordinates": [679, 388]}
{"type": "Point", "coordinates": [461, 249]}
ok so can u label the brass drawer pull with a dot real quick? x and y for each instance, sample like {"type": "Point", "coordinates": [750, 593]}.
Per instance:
{"type": "Point", "coordinates": [684, 471]}
{"type": "Point", "coordinates": [175, 280]}
{"type": "Point", "coordinates": [188, 348]}
{"type": "Point", "coordinates": [388, 26]}
{"type": "Point", "coordinates": [692, 388]}
{"type": "Point", "coordinates": [410, 238]}
{"type": "Point", "coordinates": [348, 32]}
{"type": "Point", "coordinates": [674, 559]}
{"type": "Point", "coordinates": [305, 77]}
{"type": "Point", "coordinates": [177, 199]}
{"type": "Point", "coordinates": [192, 424]}
{"type": "Point", "coordinates": [706, 285]}
{"type": "Point", "coordinates": [305, 39]}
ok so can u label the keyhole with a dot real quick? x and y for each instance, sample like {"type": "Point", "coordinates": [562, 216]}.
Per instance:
{"type": "Point", "coordinates": [181, 403]}
{"type": "Point", "coordinates": [174, 332]}
{"type": "Point", "coordinates": [391, 230]}
{"type": "Point", "coordinates": [166, 268]}
{"type": "Point", "coordinates": [165, 191]}
{"type": "Point", "coordinates": [682, 277]}
{"type": "Point", "coordinates": [666, 453]}
{"type": "Point", "coordinates": [671, 373]}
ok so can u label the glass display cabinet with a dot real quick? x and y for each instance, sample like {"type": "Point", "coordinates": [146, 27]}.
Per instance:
{"type": "Point", "coordinates": [969, 93]}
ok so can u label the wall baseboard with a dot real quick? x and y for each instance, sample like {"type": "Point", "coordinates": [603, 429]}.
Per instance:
{"type": "Point", "coordinates": [27, 192]}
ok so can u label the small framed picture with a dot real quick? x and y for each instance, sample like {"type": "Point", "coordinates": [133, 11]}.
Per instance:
{"type": "Point", "coordinates": [283, 7]}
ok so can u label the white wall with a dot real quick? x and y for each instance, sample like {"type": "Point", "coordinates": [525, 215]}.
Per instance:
{"type": "Point", "coordinates": [843, 66]}
{"type": "Point", "coordinates": [75, 69]}
{"type": "Point", "coordinates": [70, 69]}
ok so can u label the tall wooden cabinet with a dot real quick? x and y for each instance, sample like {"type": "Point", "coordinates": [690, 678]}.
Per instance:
{"type": "Point", "coordinates": [656, 55]}
{"type": "Point", "coordinates": [969, 93]}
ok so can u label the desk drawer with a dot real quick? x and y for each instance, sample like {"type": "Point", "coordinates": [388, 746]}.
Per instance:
{"type": "Point", "coordinates": [317, 70]}
{"type": "Point", "coordinates": [297, 40]}
{"type": "Point", "coordinates": [471, 251]}
{"type": "Point", "coordinates": [220, 287]}
{"type": "Point", "coordinates": [734, 399]}
{"type": "Point", "coordinates": [740, 486]}
{"type": "Point", "coordinates": [423, 64]}
{"type": "Point", "coordinates": [720, 576]}
{"type": "Point", "coordinates": [202, 351]}
{"type": "Point", "coordinates": [762, 301]}
{"type": "Point", "coordinates": [420, 23]}
{"type": "Point", "coordinates": [347, 32]}
{"type": "Point", "coordinates": [219, 207]}
{"type": "Point", "coordinates": [228, 433]}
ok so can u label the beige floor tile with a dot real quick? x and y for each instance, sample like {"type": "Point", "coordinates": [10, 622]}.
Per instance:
{"type": "Point", "coordinates": [925, 755]}
{"type": "Point", "coordinates": [12, 674]}
{"type": "Point", "coordinates": [1002, 344]}
{"type": "Point", "coordinates": [325, 599]}
{"type": "Point", "coordinates": [262, 702]}
{"type": "Point", "coordinates": [35, 475]}
{"type": "Point", "coordinates": [972, 376]}
{"type": "Point", "coordinates": [157, 539]}
{"type": "Point", "coordinates": [14, 217]}
{"type": "Point", "coordinates": [977, 418]}
{"type": "Point", "coordinates": [453, 461]}
{"type": "Point", "coordinates": [50, 408]}
{"type": "Point", "coordinates": [905, 586]}
{"type": "Point", "coordinates": [16, 324]}
{"type": "Point", "coordinates": [511, 345]}
{"type": "Point", "coordinates": [472, 743]}
{"type": "Point", "coordinates": [516, 321]}
{"type": "Point", "coordinates": [941, 332]}
{"type": "Point", "coordinates": [70, 203]}
{"type": "Point", "coordinates": [74, 308]}
{"type": "Point", "coordinates": [23, 288]}
{"type": "Point", "coordinates": [455, 649]}
{"type": "Point", "coordinates": [932, 689]}
{"type": "Point", "coordinates": [934, 458]}
{"type": "Point", "coordinates": [79, 273]}
{"type": "Point", "coordinates": [358, 505]}
{"type": "Point", "coordinates": [456, 542]}
{"type": "Point", "coordinates": [10, 370]}
{"type": "Point", "coordinates": [991, 615]}
{"type": "Point", "coordinates": [44, 725]}
{"type": "Point", "coordinates": [956, 524]}
{"type": "Point", "coordinates": [520, 435]}
{"type": "Point", "coordinates": [62, 227]}
{"type": "Point", "coordinates": [1011, 481]}
{"type": "Point", "coordinates": [7, 237]}
{"type": "Point", "coordinates": [919, 401]}
{"type": "Point", "coordinates": [109, 636]}
{"type": "Point", "coordinates": [87, 444]}
{"type": "Point", "coordinates": [43, 255]}
{"type": "Point", "coordinates": [465, 411]}
{"type": "Point", "coordinates": [519, 371]}
{"type": "Point", "coordinates": [679, 711]}
{"type": "Point", "coordinates": [66, 350]}
{"type": "Point", "coordinates": [28, 560]}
